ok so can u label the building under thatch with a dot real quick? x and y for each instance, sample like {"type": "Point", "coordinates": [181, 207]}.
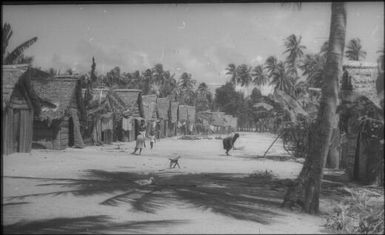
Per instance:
{"type": "Point", "coordinates": [150, 113]}
{"type": "Point", "coordinates": [361, 121]}
{"type": "Point", "coordinates": [182, 119]}
{"type": "Point", "coordinates": [58, 124]}
{"type": "Point", "coordinates": [131, 121]}
{"type": "Point", "coordinates": [191, 117]}
{"type": "Point", "coordinates": [218, 122]}
{"type": "Point", "coordinates": [203, 121]}
{"type": "Point", "coordinates": [172, 124]}
{"type": "Point", "coordinates": [101, 109]}
{"type": "Point", "coordinates": [18, 109]}
{"type": "Point", "coordinates": [163, 110]}
{"type": "Point", "coordinates": [360, 150]}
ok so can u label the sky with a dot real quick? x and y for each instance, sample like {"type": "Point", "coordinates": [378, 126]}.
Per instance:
{"type": "Point", "coordinates": [201, 39]}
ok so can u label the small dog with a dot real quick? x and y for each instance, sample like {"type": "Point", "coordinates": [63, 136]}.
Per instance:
{"type": "Point", "coordinates": [174, 162]}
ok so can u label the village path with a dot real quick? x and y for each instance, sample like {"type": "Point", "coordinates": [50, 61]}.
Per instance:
{"type": "Point", "coordinates": [76, 190]}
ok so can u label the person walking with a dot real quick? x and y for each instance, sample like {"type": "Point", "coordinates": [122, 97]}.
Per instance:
{"type": "Point", "coordinates": [228, 143]}
{"type": "Point", "coordinates": [140, 143]}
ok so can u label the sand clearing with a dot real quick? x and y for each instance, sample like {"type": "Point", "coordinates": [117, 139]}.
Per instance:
{"type": "Point", "coordinates": [93, 189]}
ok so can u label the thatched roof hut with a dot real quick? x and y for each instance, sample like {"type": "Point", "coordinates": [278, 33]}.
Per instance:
{"type": "Point", "coordinates": [174, 112]}
{"type": "Point", "coordinates": [182, 113]}
{"type": "Point", "coordinates": [204, 117]}
{"type": "Point", "coordinates": [19, 106]}
{"type": "Point", "coordinates": [58, 124]}
{"type": "Point", "coordinates": [163, 108]}
{"type": "Point", "coordinates": [191, 114]}
{"type": "Point", "coordinates": [360, 151]}
{"type": "Point", "coordinates": [149, 107]}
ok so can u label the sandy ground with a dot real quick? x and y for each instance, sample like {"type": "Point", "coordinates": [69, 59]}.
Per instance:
{"type": "Point", "coordinates": [49, 191]}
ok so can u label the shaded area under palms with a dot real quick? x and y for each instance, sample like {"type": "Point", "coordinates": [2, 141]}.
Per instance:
{"type": "Point", "coordinates": [82, 225]}
{"type": "Point", "coordinates": [243, 197]}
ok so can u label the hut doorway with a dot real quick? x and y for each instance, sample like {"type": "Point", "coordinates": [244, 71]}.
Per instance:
{"type": "Point", "coordinates": [71, 138]}
{"type": "Point", "coordinates": [16, 130]}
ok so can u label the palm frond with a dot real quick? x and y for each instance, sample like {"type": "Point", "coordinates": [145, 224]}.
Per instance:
{"type": "Point", "coordinates": [18, 51]}
{"type": "Point", "coordinates": [7, 34]}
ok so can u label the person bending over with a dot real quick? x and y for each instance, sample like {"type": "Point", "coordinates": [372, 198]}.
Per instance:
{"type": "Point", "coordinates": [228, 143]}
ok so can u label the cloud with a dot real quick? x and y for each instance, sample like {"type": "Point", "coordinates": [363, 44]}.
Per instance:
{"type": "Point", "coordinates": [258, 60]}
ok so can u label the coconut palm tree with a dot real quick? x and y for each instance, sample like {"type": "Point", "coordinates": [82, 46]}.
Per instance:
{"type": "Point", "coordinates": [271, 65]}
{"type": "Point", "coordinates": [354, 50]}
{"type": "Point", "coordinates": [305, 192]}
{"type": "Point", "coordinates": [186, 86]}
{"type": "Point", "coordinates": [312, 67]}
{"type": "Point", "coordinates": [260, 78]}
{"type": "Point", "coordinates": [294, 49]}
{"type": "Point", "coordinates": [157, 74]}
{"type": "Point", "coordinates": [169, 84]}
{"type": "Point", "coordinates": [146, 81]}
{"type": "Point", "coordinates": [243, 75]}
{"type": "Point", "coordinates": [281, 79]}
{"type": "Point", "coordinates": [324, 48]}
{"type": "Point", "coordinates": [231, 70]}
{"type": "Point", "coordinates": [16, 55]}
{"type": "Point", "coordinates": [204, 97]}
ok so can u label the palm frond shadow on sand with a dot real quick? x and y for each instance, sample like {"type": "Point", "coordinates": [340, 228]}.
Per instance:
{"type": "Point", "coordinates": [244, 197]}
{"type": "Point", "coordinates": [85, 225]}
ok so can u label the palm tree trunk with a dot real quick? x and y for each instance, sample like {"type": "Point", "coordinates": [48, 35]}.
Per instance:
{"type": "Point", "coordinates": [305, 191]}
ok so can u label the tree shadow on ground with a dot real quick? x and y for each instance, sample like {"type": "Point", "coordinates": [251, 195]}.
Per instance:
{"type": "Point", "coordinates": [244, 197]}
{"type": "Point", "coordinates": [85, 225]}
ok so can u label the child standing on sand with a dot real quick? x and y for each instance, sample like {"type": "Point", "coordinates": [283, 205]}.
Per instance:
{"type": "Point", "coordinates": [152, 140]}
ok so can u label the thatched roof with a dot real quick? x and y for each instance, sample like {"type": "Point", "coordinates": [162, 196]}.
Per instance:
{"type": "Point", "coordinates": [182, 113]}
{"type": "Point", "coordinates": [358, 64]}
{"type": "Point", "coordinates": [132, 99]}
{"type": "Point", "coordinates": [149, 107]}
{"type": "Point", "coordinates": [10, 77]}
{"type": "Point", "coordinates": [163, 107]}
{"type": "Point", "coordinates": [174, 112]}
{"type": "Point", "coordinates": [101, 102]}
{"type": "Point", "coordinates": [63, 93]}
{"type": "Point", "coordinates": [364, 76]}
